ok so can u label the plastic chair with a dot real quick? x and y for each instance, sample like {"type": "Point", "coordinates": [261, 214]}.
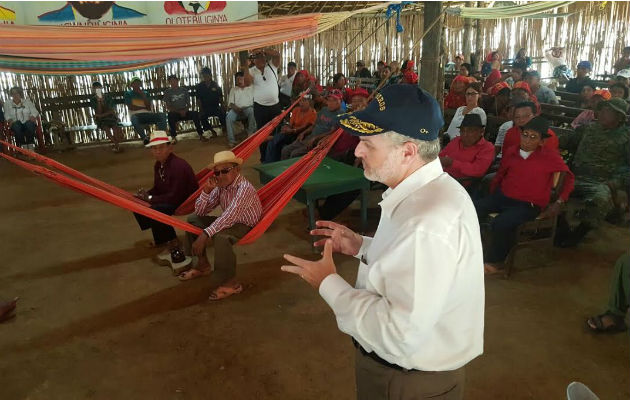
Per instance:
{"type": "Point", "coordinates": [579, 391]}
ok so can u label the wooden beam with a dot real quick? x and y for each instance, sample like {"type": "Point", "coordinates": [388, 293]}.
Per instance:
{"type": "Point", "coordinates": [430, 61]}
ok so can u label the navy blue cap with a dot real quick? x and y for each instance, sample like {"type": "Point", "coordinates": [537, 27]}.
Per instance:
{"type": "Point", "coordinates": [404, 109]}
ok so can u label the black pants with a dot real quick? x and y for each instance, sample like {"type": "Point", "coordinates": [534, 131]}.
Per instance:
{"type": "Point", "coordinates": [162, 233]}
{"type": "Point", "coordinates": [24, 132]}
{"type": "Point", "coordinates": [211, 112]}
{"type": "Point", "coordinates": [174, 117]}
{"type": "Point", "coordinates": [264, 114]}
{"type": "Point", "coordinates": [503, 227]}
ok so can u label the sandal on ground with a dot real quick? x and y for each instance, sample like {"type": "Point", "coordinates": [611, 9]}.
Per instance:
{"type": "Point", "coordinates": [596, 323]}
{"type": "Point", "coordinates": [225, 291]}
{"type": "Point", "coordinates": [193, 273]}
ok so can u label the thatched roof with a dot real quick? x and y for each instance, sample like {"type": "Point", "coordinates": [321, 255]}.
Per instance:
{"type": "Point", "coordinates": [269, 9]}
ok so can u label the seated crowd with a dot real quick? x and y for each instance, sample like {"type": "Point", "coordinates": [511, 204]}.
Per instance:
{"type": "Point", "coordinates": [591, 156]}
{"type": "Point", "coordinates": [525, 170]}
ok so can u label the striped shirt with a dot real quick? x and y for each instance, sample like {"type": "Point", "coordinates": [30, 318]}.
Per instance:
{"type": "Point", "coordinates": [239, 202]}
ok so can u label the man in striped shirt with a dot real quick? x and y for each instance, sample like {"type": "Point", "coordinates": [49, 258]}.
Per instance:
{"type": "Point", "coordinates": [241, 211]}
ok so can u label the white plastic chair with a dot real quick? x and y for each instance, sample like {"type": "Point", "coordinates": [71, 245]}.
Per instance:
{"type": "Point", "coordinates": [579, 391]}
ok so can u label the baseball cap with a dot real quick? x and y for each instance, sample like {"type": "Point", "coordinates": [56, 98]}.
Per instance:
{"type": "Point", "coordinates": [135, 79]}
{"type": "Point", "coordinates": [405, 109]}
{"type": "Point", "coordinates": [585, 64]}
{"type": "Point", "coordinates": [336, 93]}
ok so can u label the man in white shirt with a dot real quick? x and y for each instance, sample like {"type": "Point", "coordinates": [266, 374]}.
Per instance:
{"type": "Point", "coordinates": [241, 105]}
{"type": "Point", "coordinates": [263, 76]}
{"type": "Point", "coordinates": [21, 115]}
{"type": "Point", "coordinates": [416, 313]}
{"type": "Point", "coordinates": [286, 84]}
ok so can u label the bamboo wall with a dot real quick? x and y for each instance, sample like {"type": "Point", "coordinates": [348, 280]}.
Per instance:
{"type": "Point", "coordinates": [597, 33]}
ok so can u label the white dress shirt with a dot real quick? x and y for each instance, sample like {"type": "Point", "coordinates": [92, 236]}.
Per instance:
{"type": "Point", "coordinates": [22, 111]}
{"type": "Point", "coordinates": [241, 97]}
{"type": "Point", "coordinates": [501, 135]}
{"type": "Point", "coordinates": [453, 127]}
{"type": "Point", "coordinates": [419, 295]}
{"type": "Point", "coordinates": [286, 84]}
{"type": "Point", "coordinates": [265, 85]}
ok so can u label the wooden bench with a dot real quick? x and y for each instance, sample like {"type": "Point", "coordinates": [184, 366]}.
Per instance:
{"type": "Point", "coordinates": [559, 114]}
{"type": "Point", "coordinates": [366, 83]}
{"type": "Point", "coordinates": [58, 109]}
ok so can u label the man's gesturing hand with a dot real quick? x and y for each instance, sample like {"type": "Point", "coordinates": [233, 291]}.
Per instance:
{"type": "Point", "coordinates": [343, 240]}
{"type": "Point", "coordinates": [313, 272]}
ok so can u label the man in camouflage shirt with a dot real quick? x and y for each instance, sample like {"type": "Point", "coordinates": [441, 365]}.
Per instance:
{"type": "Point", "coordinates": [601, 165]}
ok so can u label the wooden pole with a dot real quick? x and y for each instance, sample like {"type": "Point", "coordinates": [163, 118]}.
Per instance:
{"type": "Point", "coordinates": [430, 61]}
{"type": "Point", "coordinates": [479, 53]}
{"type": "Point", "coordinates": [466, 40]}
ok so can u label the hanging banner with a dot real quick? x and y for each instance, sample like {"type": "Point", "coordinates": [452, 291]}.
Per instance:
{"type": "Point", "coordinates": [121, 13]}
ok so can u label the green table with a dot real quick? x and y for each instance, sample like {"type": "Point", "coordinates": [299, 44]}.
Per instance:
{"type": "Point", "coordinates": [331, 177]}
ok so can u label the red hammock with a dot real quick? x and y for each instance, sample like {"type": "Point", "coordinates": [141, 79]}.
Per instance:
{"type": "Point", "coordinates": [243, 150]}
{"type": "Point", "coordinates": [274, 196]}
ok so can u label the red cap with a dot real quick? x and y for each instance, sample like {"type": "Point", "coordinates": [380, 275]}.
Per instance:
{"type": "Point", "coordinates": [494, 90]}
{"type": "Point", "coordinates": [522, 85]}
{"type": "Point", "coordinates": [359, 92]}
{"type": "Point", "coordinates": [336, 93]}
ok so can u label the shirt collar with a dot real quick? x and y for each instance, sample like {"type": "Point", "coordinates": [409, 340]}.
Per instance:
{"type": "Point", "coordinates": [422, 176]}
{"type": "Point", "coordinates": [234, 183]}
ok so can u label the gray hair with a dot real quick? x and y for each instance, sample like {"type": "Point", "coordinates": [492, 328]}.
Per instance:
{"type": "Point", "coordinates": [428, 150]}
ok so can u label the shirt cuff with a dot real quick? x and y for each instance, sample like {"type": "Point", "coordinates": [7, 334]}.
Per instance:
{"type": "Point", "coordinates": [331, 287]}
{"type": "Point", "coordinates": [364, 247]}
{"type": "Point", "coordinates": [204, 196]}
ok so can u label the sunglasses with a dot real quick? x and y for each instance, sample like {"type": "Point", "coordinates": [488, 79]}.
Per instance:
{"type": "Point", "coordinates": [218, 172]}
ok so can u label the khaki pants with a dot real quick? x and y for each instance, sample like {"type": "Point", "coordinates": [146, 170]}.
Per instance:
{"type": "Point", "coordinates": [376, 381]}
{"type": "Point", "coordinates": [224, 257]}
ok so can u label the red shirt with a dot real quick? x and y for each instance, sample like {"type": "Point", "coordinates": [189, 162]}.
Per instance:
{"type": "Point", "coordinates": [454, 100]}
{"type": "Point", "coordinates": [513, 139]}
{"type": "Point", "coordinates": [472, 161]}
{"type": "Point", "coordinates": [531, 179]}
{"type": "Point", "coordinates": [344, 144]}
{"type": "Point", "coordinates": [493, 78]}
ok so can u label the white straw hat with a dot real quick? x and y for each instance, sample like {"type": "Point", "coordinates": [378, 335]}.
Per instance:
{"type": "Point", "coordinates": [158, 137]}
{"type": "Point", "coordinates": [223, 157]}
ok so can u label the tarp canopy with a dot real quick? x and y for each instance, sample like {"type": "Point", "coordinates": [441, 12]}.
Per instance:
{"type": "Point", "coordinates": [79, 49]}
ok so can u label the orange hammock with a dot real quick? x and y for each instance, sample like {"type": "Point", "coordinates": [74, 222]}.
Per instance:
{"type": "Point", "coordinates": [274, 196]}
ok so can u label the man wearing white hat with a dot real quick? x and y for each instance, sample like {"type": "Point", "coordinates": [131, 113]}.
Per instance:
{"type": "Point", "coordinates": [173, 182]}
{"type": "Point", "coordinates": [241, 211]}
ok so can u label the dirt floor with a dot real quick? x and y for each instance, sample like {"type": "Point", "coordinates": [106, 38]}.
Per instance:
{"type": "Point", "coordinates": [98, 319]}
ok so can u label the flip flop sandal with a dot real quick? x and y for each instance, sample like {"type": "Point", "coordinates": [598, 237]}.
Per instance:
{"type": "Point", "coordinates": [595, 324]}
{"type": "Point", "coordinates": [225, 291]}
{"type": "Point", "coordinates": [193, 273]}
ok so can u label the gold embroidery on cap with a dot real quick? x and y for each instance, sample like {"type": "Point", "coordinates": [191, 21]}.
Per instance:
{"type": "Point", "coordinates": [381, 101]}
{"type": "Point", "coordinates": [360, 126]}
{"type": "Point", "coordinates": [424, 131]}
